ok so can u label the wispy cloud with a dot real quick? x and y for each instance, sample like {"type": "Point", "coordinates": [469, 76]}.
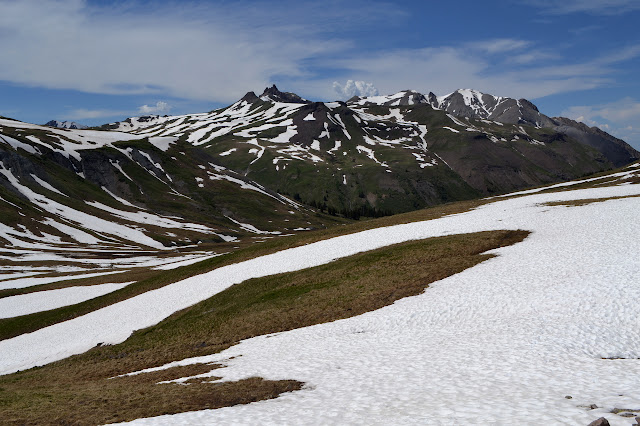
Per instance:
{"type": "Point", "coordinates": [500, 45]}
{"type": "Point", "coordinates": [518, 72]}
{"type": "Point", "coordinates": [84, 114]}
{"type": "Point", "coordinates": [217, 51]}
{"type": "Point", "coordinates": [620, 118]}
{"type": "Point", "coordinates": [595, 7]}
{"type": "Point", "coordinates": [194, 50]}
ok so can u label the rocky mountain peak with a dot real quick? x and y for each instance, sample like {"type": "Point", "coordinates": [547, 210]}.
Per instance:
{"type": "Point", "coordinates": [65, 124]}
{"type": "Point", "coordinates": [272, 93]}
{"type": "Point", "coordinates": [249, 97]}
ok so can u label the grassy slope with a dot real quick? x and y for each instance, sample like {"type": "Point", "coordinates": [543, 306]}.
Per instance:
{"type": "Point", "coordinates": [10, 327]}
{"type": "Point", "coordinates": [15, 326]}
{"type": "Point", "coordinates": [76, 390]}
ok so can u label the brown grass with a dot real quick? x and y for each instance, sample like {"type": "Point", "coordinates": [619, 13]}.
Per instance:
{"type": "Point", "coordinates": [128, 398]}
{"type": "Point", "coordinates": [586, 201]}
{"type": "Point", "coordinates": [78, 389]}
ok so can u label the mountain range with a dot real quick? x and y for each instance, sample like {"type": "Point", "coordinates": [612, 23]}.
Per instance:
{"type": "Point", "coordinates": [277, 163]}
{"type": "Point", "coordinates": [387, 154]}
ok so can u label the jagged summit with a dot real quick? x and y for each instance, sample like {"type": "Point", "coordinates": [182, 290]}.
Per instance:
{"type": "Point", "coordinates": [273, 94]}
{"type": "Point", "coordinates": [250, 97]}
{"type": "Point", "coordinates": [404, 97]}
{"type": "Point", "coordinates": [65, 124]}
{"type": "Point", "coordinates": [478, 105]}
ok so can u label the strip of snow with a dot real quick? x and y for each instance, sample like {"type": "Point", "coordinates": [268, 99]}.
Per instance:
{"type": "Point", "coordinates": [30, 282]}
{"type": "Point", "coordinates": [455, 120]}
{"type": "Point", "coordinates": [46, 185]}
{"type": "Point", "coordinates": [25, 304]}
{"type": "Point", "coordinates": [163, 143]}
{"type": "Point", "coordinates": [619, 175]}
{"type": "Point", "coordinates": [251, 228]}
{"type": "Point", "coordinates": [453, 130]}
{"type": "Point", "coordinates": [85, 220]}
{"type": "Point", "coordinates": [17, 144]}
{"type": "Point", "coordinates": [150, 218]}
{"type": "Point", "coordinates": [120, 200]}
{"type": "Point", "coordinates": [75, 233]}
{"type": "Point", "coordinates": [254, 187]}
{"type": "Point", "coordinates": [369, 152]}
{"type": "Point", "coordinates": [17, 275]}
{"type": "Point", "coordinates": [189, 261]}
{"type": "Point", "coordinates": [116, 164]}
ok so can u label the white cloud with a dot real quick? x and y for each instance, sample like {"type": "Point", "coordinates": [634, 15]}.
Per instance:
{"type": "Point", "coordinates": [626, 110]}
{"type": "Point", "coordinates": [620, 118]}
{"type": "Point", "coordinates": [83, 114]}
{"type": "Point", "coordinates": [213, 51]}
{"type": "Point", "coordinates": [217, 51]}
{"type": "Point", "coordinates": [159, 108]}
{"type": "Point", "coordinates": [445, 69]}
{"type": "Point", "coordinates": [500, 45]}
{"type": "Point", "coordinates": [595, 7]}
{"type": "Point", "coordinates": [354, 88]}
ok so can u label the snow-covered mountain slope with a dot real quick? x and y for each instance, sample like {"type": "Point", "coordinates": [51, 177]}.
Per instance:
{"type": "Point", "coordinates": [474, 104]}
{"type": "Point", "coordinates": [376, 155]}
{"type": "Point", "coordinates": [526, 337]}
{"type": "Point", "coordinates": [469, 103]}
{"type": "Point", "coordinates": [71, 198]}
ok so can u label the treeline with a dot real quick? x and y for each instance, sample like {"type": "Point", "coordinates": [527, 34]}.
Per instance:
{"type": "Point", "coordinates": [365, 210]}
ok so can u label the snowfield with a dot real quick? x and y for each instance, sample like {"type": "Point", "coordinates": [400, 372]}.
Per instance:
{"type": "Point", "coordinates": [505, 342]}
{"type": "Point", "coordinates": [29, 303]}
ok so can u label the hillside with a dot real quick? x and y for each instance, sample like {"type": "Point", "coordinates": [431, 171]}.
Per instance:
{"type": "Point", "coordinates": [524, 336]}
{"type": "Point", "coordinates": [380, 155]}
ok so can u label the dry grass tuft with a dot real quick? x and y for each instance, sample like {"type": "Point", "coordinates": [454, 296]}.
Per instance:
{"type": "Point", "coordinates": [586, 201]}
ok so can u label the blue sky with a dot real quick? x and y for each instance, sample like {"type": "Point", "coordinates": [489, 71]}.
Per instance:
{"type": "Point", "coordinates": [96, 61]}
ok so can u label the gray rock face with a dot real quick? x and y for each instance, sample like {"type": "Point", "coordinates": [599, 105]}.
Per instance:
{"type": "Point", "coordinates": [65, 124]}
{"type": "Point", "coordinates": [276, 95]}
{"type": "Point", "coordinates": [477, 105]}
{"type": "Point", "coordinates": [616, 150]}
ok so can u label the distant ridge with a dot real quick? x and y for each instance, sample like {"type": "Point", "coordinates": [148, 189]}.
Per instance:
{"type": "Point", "coordinates": [65, 124]}
{"type": "Point", "coordinates": [473, 104]}
{"type": "Point", "coordinates": [387, 154]}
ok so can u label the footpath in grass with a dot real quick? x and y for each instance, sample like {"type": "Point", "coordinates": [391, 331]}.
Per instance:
{"type": "Point", "coordinates": [80, 389]}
